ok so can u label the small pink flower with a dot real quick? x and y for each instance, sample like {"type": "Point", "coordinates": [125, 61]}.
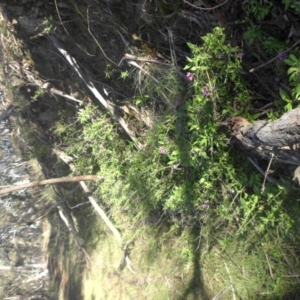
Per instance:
{"type": "Point", "coordinates": [240, 55]}
{"type": "Point", "coordinates": [190, 76]}
{"type": "Point", "coordinates": [205, 92]}
{"type": "Point", "coordinates": [162, 150]}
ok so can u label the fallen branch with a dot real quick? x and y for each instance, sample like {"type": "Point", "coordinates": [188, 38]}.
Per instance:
{"type": "Point", "coordinates": [65, 214]}
{"type": "Point", "coordinates": [60, 93]}
{"type": "Point", "coordinates": [279, 139]}
{"type": "Point", "coordinates": [274, 58]}
{"type": "Point", "coordinates": [96, 93]}
{"type": "Point", "coordinates": [47, 181]}
{"type": "Point", "coordinates": [68, 160]}
{"type": "Point", "coordinates": [100, 211]}
{"type": "Point", "coordinates": [231, 282]}
{"type": "Point", "coordinates": [205, 8]}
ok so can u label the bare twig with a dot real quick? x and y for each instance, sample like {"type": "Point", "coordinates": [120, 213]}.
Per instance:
{"type": "Point", "coordinates": [266, 173]}
{"type": "Point", "coordinates": [100, 211]}
{"type": "Point", "coordinates": [260, 170]}
{"type": "Point", "coordinates": [205, 8]}
{"type": "Point", "coordinates": [270, 269]}
{"type": "Point", "coordinates": [89, 30]}
{"type": "Point", "coordinates": [96, 93]}
{"type": "Point", "coordinates": [291, 268]}
{"type": "Point", "coordinates": [274, 58]}
{"type": "Point", "coordinates": [47, 181]}
{"type": "Point", "coordinates": [172, 51]}
{"type": "Point", "coordinates": [60, 93]}
{"type": "Point", "coordinates": [62, 24]}
{"type": "Point", "coordinates": [218, 296]}
{"type": "Point", "coordinates": [230, 279]}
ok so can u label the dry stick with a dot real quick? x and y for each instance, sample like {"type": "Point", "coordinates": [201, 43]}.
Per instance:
{"type": "Point", "coordinates": [270, 268]}
{"type": "Point", "coordinates": [67, 159]}
{"type": "Point", "coordinates": [60, 93]}
{"type": "Point", "coordinates": [60, 18]}
{"type": "Point", "coordinates": [46, 86]}
{"type": "Point", "coordinates": [89, 30]}
{"type": "Point", "coordinates": [172, 51]}
{"type": "Point", "coordinates": [274, 58]}
{"type": "Point", "coordinates": [47, 181]}
{"type": "Point", "coordinates": [96, 93]}
{"type": "Point", "coordinates": [204, 8]}
{"type": "Point", "coordinates": [269, 178]}
{"type": "Point", "coordinates": [101, 212]}
{"type": "Point", "coordinates": [291, 267]}
{"type": "Point", "coordinates": [217, 297]}
{"type": "Point", "coordinates": [266, 174]}
{"type": "Point", "coordinates": [230, 279]}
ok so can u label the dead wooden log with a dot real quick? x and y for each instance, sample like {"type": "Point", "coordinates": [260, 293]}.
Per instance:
{"type": "Point", "coordinates": [279, 139]}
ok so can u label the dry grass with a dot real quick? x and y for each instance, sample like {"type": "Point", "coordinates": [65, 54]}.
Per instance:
{"type": "Point", "coordinates": [157, 262]}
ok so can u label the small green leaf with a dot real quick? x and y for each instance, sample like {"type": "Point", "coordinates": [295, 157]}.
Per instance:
{"type": "Point", "coordinates": [293, 58]}
{"type": "Point", "coordinates": [284, 95]}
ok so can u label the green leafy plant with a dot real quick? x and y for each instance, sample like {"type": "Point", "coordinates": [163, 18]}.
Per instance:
{"type": "Point", "coordinates": [188, 174]}
{"type": "Point", "coordinates": [39, 93]}
{"type": "Point", "coordinates": [294, 75]}
{"type": "Point", "coordinates": [48, 24]}
{"type": "Point", "coordinates": [124, 74]}
{"type": "Point", "coordinates": [291, 4]}
{"type": "Point", "coordinates": [257, 8]}
{"type": "Point", "coordinates": [292, 99]}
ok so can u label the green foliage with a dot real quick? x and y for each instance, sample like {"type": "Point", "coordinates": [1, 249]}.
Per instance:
{"type": "Point", "coordinates": [292, 5]}
{"type": "Point", "coordinates": [124, 75]}
{"type": "Point", "coordinates": [294, 75]}
{"type": "Point", "coordinates": [48, 24]}
{"type": "Point", "coordinates": [253, 33]}
{"type": "Point", "coordinates": [39, 93]}
{"type": "Point", "coordinates": [108, 71]}
{"type": "Point", "coordinates": [292, 99]}
{"type": "Point", "coordinates": [187, 171]}
{"type": "Point", "coordinates": [271, 45]}
{"type": "Point", "coordinates": [257, 8]}
{"type": "Point", "coordinates": [186, 165]}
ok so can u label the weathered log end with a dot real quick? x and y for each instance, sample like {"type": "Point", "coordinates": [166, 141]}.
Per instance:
{"type": "Point", "coordinates": [278, 140]}
{"type": "Point", "coordinates": [238, 125]}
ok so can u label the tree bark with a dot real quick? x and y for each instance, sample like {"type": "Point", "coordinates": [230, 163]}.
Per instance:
{"type": "Point", "coordinates": [279, 139]}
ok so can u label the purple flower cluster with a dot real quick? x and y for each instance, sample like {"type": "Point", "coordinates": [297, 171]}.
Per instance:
{"type": "Point", "coordinates": [190, 76]}
{"type": "Point", "coordinates": [282, 55]}
{"type": "Point", "coordinates": [240, 55]}
{"type": "Point", "coordinates": [277, 79]}
{"type": "Point", "coordinates": [205, 92]}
